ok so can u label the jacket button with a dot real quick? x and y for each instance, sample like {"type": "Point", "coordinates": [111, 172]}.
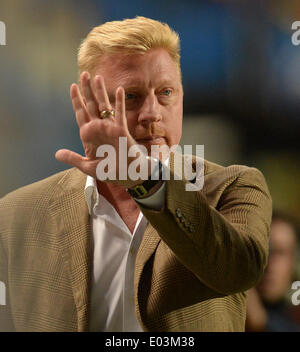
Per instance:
{"type": "Point", "coordinates": [178, 213]}
{"type": "Point", "coordinates": [192, 228]}
{"type": "Point", "coordinates": [187, 224]}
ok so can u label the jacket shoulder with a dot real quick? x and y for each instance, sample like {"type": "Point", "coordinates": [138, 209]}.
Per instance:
{"type": "Point", "coordinates": [34, 191]}
{"type": "Point", "coordinates": [231, 172]}
{"type": "Point", "coordinates": [234, 170]}
{"type": "Point", "coordinates": [36, 197]}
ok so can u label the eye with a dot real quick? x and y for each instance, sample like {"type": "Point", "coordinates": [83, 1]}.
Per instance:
{"type": "Point", "coordinates": [166, 92]}
{"type": "Point", "coordinates": [129, 96]}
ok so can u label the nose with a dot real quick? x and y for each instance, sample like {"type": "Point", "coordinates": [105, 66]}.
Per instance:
{"type": "Point", "coordinates": [150, 110]}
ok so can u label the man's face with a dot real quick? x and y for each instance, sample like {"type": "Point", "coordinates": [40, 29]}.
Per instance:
{"type": "Point", "coordinates": [278, 274]}
{"type": "Point", "coordinates": [153, 93]}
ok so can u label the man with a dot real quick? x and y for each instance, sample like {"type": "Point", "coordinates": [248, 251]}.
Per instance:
{"type": "Point", "coordinates": [269, 307]}
{"type": "Point", "coordinates": [80, 253]}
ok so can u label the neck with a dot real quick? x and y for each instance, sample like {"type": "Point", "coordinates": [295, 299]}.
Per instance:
{"type": "Point", "coordinates": [121, 201]}
{"type": "Point", "coordinates": [112, 191]}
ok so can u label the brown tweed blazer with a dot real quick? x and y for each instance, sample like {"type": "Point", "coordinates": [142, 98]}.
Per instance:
{"type": "Point", "coordinates": [197, 258]}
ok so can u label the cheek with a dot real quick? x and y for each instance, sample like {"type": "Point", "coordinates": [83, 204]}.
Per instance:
{"type": "Point", "coordinates": [174, 124]}
{"type": "Point", "coordinates": [132, 119]}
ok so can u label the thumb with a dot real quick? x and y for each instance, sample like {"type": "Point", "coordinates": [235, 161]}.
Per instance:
{"type": "Point", "coordinates": [68, 157]}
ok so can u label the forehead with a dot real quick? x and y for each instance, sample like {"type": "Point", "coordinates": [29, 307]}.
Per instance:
{"type": "Point", "coordinates": [149, 69]}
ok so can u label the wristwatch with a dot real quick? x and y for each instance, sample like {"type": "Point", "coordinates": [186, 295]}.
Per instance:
{"type": "Point", "coordinates": [140, 191]}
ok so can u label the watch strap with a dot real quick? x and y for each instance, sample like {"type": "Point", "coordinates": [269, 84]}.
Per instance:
{"type": "Point", "coordinates": [141, 191]}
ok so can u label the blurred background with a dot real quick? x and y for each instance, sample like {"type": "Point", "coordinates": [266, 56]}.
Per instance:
{"type": "Point", "coordinates": [241, 77]}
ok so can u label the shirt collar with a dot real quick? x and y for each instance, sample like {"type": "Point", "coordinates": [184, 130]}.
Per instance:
{"type": "Point", "coordinates": [91, 193]}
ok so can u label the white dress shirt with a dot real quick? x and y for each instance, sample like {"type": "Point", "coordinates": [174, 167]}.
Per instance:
{"type": "Point", "coordinates": [114, 253]}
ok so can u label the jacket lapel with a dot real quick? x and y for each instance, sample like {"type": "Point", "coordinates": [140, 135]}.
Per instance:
{"type": "Point", "coordinates": [74, 235]}
{"type": "Point", "coordinates": [148, 246]}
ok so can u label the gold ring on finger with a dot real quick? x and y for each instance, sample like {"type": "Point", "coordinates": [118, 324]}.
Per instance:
{"type": "Point", "coordinates": [104, 114]}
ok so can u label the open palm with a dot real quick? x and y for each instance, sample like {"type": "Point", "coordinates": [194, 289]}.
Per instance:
{"type": "Point", "coordinates": [94, 130]}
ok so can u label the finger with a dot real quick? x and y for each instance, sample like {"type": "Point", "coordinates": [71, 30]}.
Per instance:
{"type": "Point", "coordinates": [101, 94]}
{"type": "Point", "coordinates": [68, 157]}
{"type": "Point", "coordinates": [79, 107]}
{"type": "Point", "coordinates": [88, 94]}
{"type": "Point", "coordinates": [85, 165]}
{"type": "Point", "coordinates": [120, 112]}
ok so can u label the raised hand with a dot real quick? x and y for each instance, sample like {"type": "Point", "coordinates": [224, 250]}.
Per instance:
{"type": "Point", "coordinates": [95, 130]}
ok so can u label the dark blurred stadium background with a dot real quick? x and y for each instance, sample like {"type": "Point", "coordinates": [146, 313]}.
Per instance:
{"type": "Point", "coordinates": [241, 78]}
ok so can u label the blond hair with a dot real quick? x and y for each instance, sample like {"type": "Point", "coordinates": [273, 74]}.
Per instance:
{"type": "Point", "coordinates": [130, 36]}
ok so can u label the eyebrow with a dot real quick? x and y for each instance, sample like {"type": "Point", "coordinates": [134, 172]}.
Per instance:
{"type": "Point", "coordinates": [133, 84]}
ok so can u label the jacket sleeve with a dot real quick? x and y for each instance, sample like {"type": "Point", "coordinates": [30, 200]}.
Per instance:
{"type": "Point", "coordinates": [225, 246]}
